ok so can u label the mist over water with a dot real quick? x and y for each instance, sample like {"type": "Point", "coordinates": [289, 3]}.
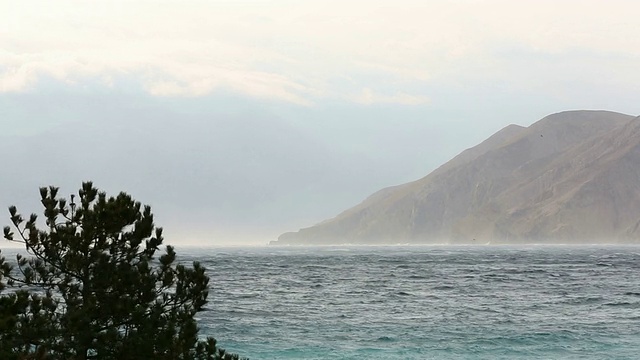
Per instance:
{"type": "Point", "coordinates": [438, 302]}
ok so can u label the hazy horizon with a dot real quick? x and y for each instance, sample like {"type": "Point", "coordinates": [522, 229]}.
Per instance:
{"type": "Point", "coordinates": [241, 120]}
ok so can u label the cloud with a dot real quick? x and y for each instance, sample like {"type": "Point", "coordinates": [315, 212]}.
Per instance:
{"type": "Point", "coordinates": [297, 51]}
{"type": "Point", "coordinates": [203, 80]}
{"type": "Point", "coordinates": [369, 97]}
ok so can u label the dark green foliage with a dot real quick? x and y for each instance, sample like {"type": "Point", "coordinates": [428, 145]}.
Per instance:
{"type": "Point", "coordinates": [94, 287]}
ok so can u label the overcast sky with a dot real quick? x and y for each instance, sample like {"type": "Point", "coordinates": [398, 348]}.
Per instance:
{"type": "Point", "coordinates": [240, 120]}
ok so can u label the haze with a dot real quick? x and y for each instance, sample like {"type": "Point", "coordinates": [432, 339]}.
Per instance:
{"type": "Point", "coordinates": [240, 120]}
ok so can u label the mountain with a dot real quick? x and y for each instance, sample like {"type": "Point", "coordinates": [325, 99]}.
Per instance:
{"type": "Point", "coordinates": [213, 175]}
{"type": "Point", "coordinates": [570, 177]}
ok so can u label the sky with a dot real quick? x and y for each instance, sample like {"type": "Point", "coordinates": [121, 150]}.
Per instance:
{"type": "Point", "coordinates": [240, 120]}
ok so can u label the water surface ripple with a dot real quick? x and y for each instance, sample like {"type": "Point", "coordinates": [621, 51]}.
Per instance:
{"type": "Point", "coordinates": [424, 302]}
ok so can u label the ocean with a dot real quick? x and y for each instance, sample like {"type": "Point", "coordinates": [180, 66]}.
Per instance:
{"type": "Point", "coordinates": [424, 302]}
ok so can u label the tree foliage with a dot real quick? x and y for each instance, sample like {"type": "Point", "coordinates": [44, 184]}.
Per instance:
{"type": "Point", "coordinates": [93, 286]}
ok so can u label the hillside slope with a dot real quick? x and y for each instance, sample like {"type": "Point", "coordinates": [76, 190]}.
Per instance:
{"type": "Point", "coordinates": [572, 176]}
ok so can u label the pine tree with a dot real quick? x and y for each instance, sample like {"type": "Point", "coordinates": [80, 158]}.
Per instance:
{"type": "Point", "coordinates": [94, 287]}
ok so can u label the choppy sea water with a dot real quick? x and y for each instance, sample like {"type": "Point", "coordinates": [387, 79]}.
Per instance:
{"type": "Point", "coordinates": [424, 302]}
